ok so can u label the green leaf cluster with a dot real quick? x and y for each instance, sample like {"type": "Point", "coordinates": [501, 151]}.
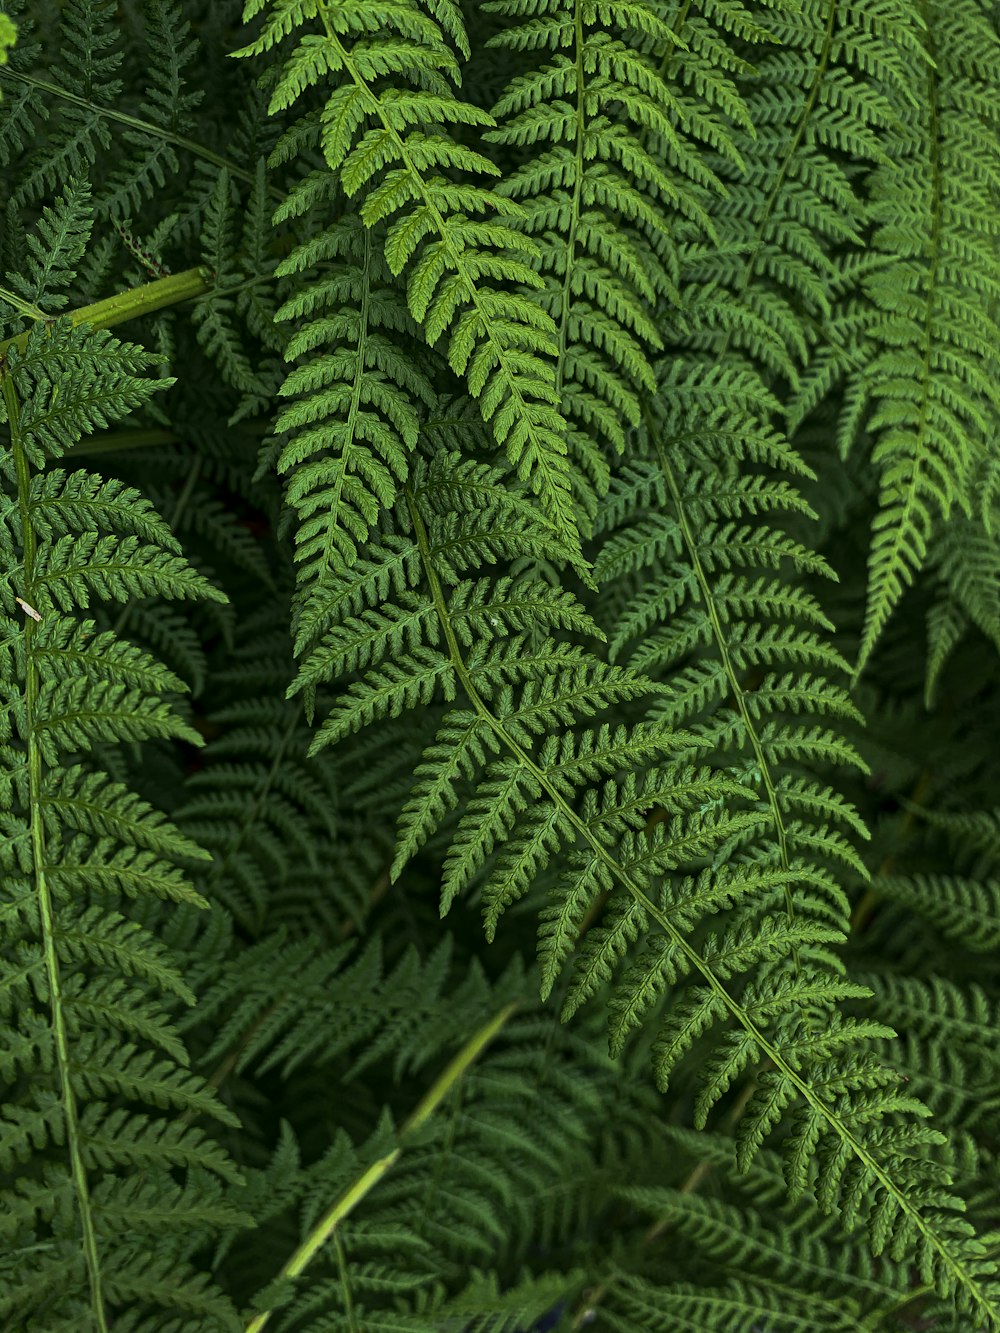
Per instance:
{"type": "Point", "coordinates": [498, 683]}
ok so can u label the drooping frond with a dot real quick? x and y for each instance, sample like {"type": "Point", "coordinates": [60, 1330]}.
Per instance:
{"type": "Point", "coordinates": [934, 376]}
{"type": "Point", "coordinates": [356, 395]}
{"type": "Point", "coordinates": [593, 199]}
{"type": "Point", "coordinates": [387, 133]}
{"type": "Point", "coordinates": [667, 843]}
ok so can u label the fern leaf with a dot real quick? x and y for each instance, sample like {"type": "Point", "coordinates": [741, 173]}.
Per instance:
{"type": "Point", "coordinates": [391, 145]}
{"type": "Point", "coordinates": [933, 379]}
{"type": "Point", "coordinates": [87, 841]}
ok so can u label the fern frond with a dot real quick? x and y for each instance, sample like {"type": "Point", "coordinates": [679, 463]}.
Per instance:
{"type": "Point", "coordinates": [82, 841]}
{"type": "Point", "coordinates": [392, 145]}
{"type": "Point", "coordinates": [354, 418]}
{"type": "Point", "coordinates": [755, 985]}
{"type": "Point", "coordinates": [55, 248]}
{"type": "Point", "coordinates": [91, 60]}
{"type": "Point", "coordinates": [963, 909]}
{"type": "Point", "coordinates": [214, 315]}
{"type": "Point", "coordinates": [593, 202]}
{"type": "Point", "coordinates": [934, 377]}
{"type": "Point", "coordinates": [150, 158]}
{"type": "Point", "coordinates": [766, 1258]}
{"type": "Point", "coordinates": [964, 557]}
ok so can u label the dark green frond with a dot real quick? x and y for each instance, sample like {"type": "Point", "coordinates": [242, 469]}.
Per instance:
{"type": "Point", "coordinates": [90, 982]}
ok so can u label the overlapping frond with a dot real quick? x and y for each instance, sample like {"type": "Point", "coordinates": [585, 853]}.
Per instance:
{"type": "Point", "coordinates": [575, 344]}
{"type": "Point", "coordinates": [593, 198]}
{"type": "Point", "coordinates": [93, 1068]}
{"type": "Point", "coordinates": [657, 842]}
{"type": "Point", "coordinates": [933, 373]}
{"type": "Point", "coordinates": [387, 132]}
{"type": "Point", "coordinates": [356, 397]}
{"type": "Point", "coordinates": [149, 157]}
{"type": "Point", "coordinates": [428, 1209]}
{"type": "Point", "coordinates": [896, 334]}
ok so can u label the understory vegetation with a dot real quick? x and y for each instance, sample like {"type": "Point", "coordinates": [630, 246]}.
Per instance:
{"type": "Point", "coordinates": [499, 710]}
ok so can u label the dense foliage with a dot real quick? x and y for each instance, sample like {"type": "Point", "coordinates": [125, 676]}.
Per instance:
{"type": "Point", "coordinates": [499, 604]}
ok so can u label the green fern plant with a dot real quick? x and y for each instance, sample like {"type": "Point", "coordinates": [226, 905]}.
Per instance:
{"type": "Point", "coordinates": [531, 463]}
{"type": "Point", "coordinates": [87, 1032]}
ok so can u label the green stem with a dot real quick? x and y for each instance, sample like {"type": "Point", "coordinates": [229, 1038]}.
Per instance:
{"type": "Point", "coordinates": [345, 1283]}
{"type": "Point", "coordinates": [133, 122]}
{"type": "Point", "coordinates": [43, 892]}
{"type": "Point", "coordinates": [137, 301]}
{"type": "Point", "coordinates": [22, 307]}
{"type": "Point", "coordinates": [118, 441]}
{"type": "Point", "coordinates": [326, 1228]}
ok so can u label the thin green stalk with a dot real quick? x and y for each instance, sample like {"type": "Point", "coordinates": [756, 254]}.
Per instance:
{"type": "Point", "coordinates": [345, 1283]}
{"type": "Point", "coordinates": [133, 123]}
{"type": "Point", "coordinates": [22, 307]}
{"type": "Point", "coordinates": [326, 1228]}
{"type": "Point", "coordinates": [119, 441]}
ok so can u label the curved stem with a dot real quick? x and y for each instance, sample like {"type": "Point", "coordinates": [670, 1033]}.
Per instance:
{"type": "Point", "coordinates": [23, 307]}
{"type": "Point", "coordinates": [133, 122]}
{"type": "Point", "coordinates": [326, 1228]}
